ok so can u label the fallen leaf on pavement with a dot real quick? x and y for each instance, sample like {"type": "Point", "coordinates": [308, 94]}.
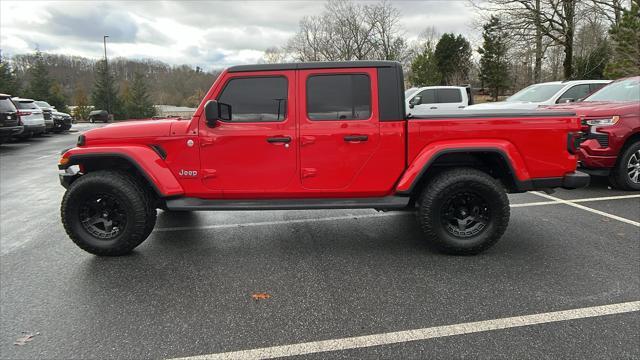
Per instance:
{"type": "Point", "coordinates": [260, 296]}
{"type": "Point", "coordinates": [24, 339]}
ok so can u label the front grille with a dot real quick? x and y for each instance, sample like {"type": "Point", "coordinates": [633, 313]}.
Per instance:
{"type": "Point", "coordinates": [603, 139]}
{"type": "Point", "coordinates": [9, 119]}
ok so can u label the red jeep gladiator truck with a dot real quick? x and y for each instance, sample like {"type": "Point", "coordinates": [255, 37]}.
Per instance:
{"type": "Point", "coordinates": [325, 135]}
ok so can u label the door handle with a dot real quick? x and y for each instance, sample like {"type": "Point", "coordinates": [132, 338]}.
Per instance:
{"type": "Point", "coordinates": [433, 107]}
{"type": "Point", "coordinates": [279, 139]}
{"type": "Point", "coordinates": [352, 138]}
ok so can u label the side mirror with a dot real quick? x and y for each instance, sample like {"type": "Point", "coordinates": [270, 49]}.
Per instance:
{"type": "Point", "coordinates": [567, 100]}
{"type": "Point", "coordinates": [411, 106]}
{"type": "Point", "coordinates": [416, 100]}
{"type": "Point", "coordinates": [215, 111]}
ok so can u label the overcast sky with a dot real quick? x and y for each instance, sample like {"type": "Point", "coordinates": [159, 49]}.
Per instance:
{"type": "Point", "coordinates": [209, 34]}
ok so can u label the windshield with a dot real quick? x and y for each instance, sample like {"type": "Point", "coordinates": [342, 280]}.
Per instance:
{"type": "Point", "coordinates": [42, 104]}
{"type": "Point", "coordinates": [410, 92]}
{"type": "Point", "coordinates": [536, 93]}
{"type": "Point", "coordinates": [624, 90]}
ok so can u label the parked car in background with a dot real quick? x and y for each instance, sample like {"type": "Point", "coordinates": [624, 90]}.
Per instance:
{"type": "Point", "coordinates": [612, 123]}
{"type": "Point", "coordinates": [9, 121]}
{"type": "Point", "coordinates": [545, 94]}
{"type": "Point", "coordinates": [98, 115]}
{"type": "Point", "coordinates": [31, 116]}
{"type": "Point", "coordinates": [432, 100]}
{"type": "Point", "coordinates": [60, 121]}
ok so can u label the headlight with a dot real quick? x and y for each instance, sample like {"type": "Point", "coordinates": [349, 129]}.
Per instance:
{"type": "Point", "coordinates": [603, 122]}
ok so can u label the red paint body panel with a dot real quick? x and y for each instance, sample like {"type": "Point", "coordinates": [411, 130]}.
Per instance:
{"type": "Point", "coordinates": [233, 160]}
{"type": "Point", "coordinates": [148, 161]}
{"type": "Point", "coordinates": [519, 139]}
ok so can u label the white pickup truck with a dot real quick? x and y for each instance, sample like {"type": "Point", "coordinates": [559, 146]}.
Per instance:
{"type": "Point", "coordinates": [431, 100]}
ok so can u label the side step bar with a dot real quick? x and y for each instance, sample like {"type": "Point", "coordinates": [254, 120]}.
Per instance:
{"type": "Point", "coordinates": [386, 203]}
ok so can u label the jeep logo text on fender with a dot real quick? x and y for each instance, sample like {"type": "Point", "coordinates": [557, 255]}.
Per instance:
{"type": "Point", "coordinates": [188, 173]}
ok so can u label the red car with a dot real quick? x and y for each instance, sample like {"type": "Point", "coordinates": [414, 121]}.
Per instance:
{"type": "Point", "coordinates": [611, 119]}
{"type": "Point", "coordinates": [327, 135]}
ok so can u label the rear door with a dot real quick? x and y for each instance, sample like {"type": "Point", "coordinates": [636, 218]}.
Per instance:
{"type": "Point", "coordinates": [449, 99]}
{"type": "Point", "coordinates": [339, 126]}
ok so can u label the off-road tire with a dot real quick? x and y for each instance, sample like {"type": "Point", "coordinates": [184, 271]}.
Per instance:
{"type": "Point", "coordinates": [127, 190]}
{"type": "Point", "coordinates": [440, 191]}
{"type": "Point", "coordinates": [619, 177]}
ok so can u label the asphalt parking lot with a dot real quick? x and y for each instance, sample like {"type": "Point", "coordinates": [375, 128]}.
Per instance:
{"type": "Point", "coordinates": [331, 275]}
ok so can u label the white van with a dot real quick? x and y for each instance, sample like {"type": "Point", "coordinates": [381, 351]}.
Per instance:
{"type": "Point", "coordinates": [431, 100]}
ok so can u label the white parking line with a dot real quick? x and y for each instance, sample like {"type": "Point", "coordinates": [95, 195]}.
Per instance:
{"type": "Point", "coordinates": [573, 203]}
{"type": "Point", "coordinates": [421, 334]}
{"type": "Point", "coordinates": [365, 216]}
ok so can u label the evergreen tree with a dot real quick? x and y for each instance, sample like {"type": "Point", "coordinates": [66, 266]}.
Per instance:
{"type": "Point", "coordinates": [82, 108]}
{"type": "Point", "coordinates": [453, 57]}
{"type": "Point", "coordinates": [625, 37]}
{"type": "Point", "coordinates": [8, 79]}
{"type": "Point", "coordinates": [104, 95]}
{"type": "Point", "coordinates": [494, 71]}
{"type": "Point", "coordinates": [57, 99]}
{"type": "Point", "coordinates": [424, 68]}
{"type": "Point", "coordinates": [39, 81]}
{"type": "Point", "coordinates": [138, 103]}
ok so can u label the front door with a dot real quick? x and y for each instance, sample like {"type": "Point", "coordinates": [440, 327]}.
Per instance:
{"type": "Point", "coordinates": [254, 153]}
{"type": "Point", "coordinates": [339, 127]}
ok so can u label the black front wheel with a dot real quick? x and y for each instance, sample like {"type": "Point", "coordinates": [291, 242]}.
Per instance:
{"type": "Point", "coordinates": [463, 211]}
{"type": "Point", "coordinates": [626, 174]}
{"type": "Point", "coordinates": [107, 213]}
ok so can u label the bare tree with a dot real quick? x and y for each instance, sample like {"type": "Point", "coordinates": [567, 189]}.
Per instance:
{"type": "Point", "coordinates": [348, 30]}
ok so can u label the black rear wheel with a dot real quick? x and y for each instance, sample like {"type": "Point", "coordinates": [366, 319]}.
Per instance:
{"type": "Point", "coordinates": [463, 211]}
{"type": "Point", "coordinates": [107, 213]}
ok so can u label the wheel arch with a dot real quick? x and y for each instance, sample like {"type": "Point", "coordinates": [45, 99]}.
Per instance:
{"type": "Point", "coordinates": [494, 161]}
{"type": "Point", "coordinates": [144, 165]}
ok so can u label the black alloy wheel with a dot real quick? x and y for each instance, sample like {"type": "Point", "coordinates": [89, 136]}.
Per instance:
{"type": "Point", "coordinates": [103, 216]}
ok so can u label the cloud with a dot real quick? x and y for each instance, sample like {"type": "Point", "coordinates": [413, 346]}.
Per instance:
{"type": "Point", "coordinates": [207, 34]}
{"type": "Point", "coordinates": [91, 23]}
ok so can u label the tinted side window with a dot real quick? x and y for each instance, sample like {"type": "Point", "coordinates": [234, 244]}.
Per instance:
{"type": "Point", "coordinates": [6, 106]}
{"type": "Point", "coordinates": [449, 96]}
{"type": "Point", "coordinates": [575, 93]}
{"type": "Point", "coordinates": [428, 96]}
{"type": "Point", "coordinates": [339, 97]}
{"type": "Point", "coordinates": [595, 87]}
{"type": "Point", "coordinates": [256, 99]}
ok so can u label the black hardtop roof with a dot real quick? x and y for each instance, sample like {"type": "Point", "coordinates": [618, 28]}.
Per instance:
{"type": "Point", "coordinates": [316, 65]}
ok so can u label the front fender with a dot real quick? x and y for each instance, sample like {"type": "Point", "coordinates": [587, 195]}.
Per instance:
{"type": "Point", "coordinates": [145, 159]}
{"type": "Point", "coordinates": [431, 152]}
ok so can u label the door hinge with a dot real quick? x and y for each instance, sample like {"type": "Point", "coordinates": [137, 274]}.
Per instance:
{"type": "Point", "coordinates": [206, 142]}
{"type": "Point", "coordinates": [308, 172]}
{"type": "Point", "coordinates": [209, 174]}
{"type": "Point", "coordinates": [307, 140]}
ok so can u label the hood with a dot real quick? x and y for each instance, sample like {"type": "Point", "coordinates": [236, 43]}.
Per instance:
{"type": "Point", "coordinates": [131, 129]}
{"type": "Point", "coordinates": [599, 108]}
{"type": "Point", "coordinates": [521, 105]}
{"type": "Point", "coordinates": [58, 113]}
